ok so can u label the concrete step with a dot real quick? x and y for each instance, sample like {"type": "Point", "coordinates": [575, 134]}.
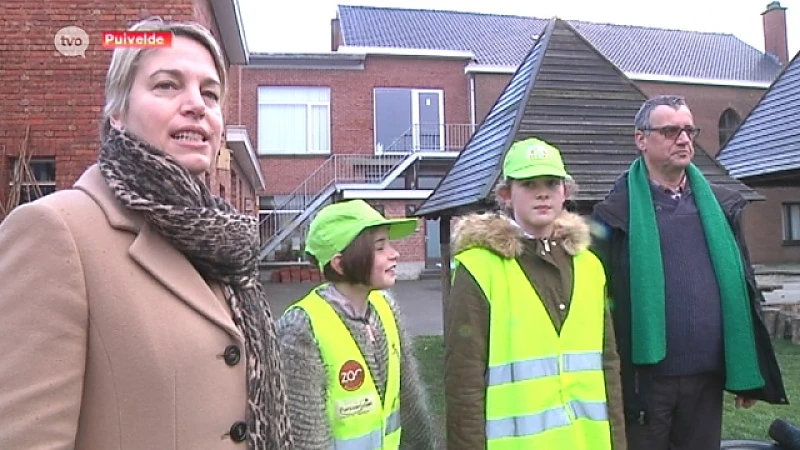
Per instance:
{"type": "Point", "coordinates": [777, 269]}
{"type": "Point", "coordinates": [430, 274]}
{"type": "Point", "coordinates": [782, 296]}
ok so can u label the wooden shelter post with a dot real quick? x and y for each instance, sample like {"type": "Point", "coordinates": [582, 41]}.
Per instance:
{"type": "Point", "coordinates": [444, 244]}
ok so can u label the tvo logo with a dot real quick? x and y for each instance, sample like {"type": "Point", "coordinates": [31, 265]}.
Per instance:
{"type": "Point", "coordinates": [71, 41]}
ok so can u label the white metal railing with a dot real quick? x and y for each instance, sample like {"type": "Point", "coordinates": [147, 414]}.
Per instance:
{"type": "Point", "coordinates": [293, 251]}
{"type": "Point", "coordinates": [337, 169]}
{"type": "Point", "coordinates": [287, 222]}
{"type": "Point", "coordinates": [431, 138]}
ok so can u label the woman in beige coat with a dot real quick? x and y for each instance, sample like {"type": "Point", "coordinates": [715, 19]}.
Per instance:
{"type": "Point", "coordinates": [130, 312]}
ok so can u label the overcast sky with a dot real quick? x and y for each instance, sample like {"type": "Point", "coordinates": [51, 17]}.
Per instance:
{"type": "Point", "coordinates": [304, 25]}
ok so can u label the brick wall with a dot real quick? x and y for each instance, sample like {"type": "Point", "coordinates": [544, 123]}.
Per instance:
{"type": "Point", "coordinates": [203, 14]}
{"type": "Point", "coordinates": [412, 248]}
{"type": "Point", "coordinates": [352, 122]}
{"type": "Point", "coordinates": [232, 106]}
{"type": "Point", "coordinates": [488, 88]}
{"type": "Point", "coordinates": [411, 261]}
{"type": "Point", "coordinates": [763, 226]}
{"type": "Point", "coordinates": [246, 199]}
{"type": "Point", "coordinates": [61, 97]}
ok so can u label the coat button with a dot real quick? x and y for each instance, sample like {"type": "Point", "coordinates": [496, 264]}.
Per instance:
{"type": "Point", "coordinates": [238, 431]}
{"type": "Point", "coordinates": [232, 355]}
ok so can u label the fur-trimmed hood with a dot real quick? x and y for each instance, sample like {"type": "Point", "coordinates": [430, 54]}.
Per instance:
{"type": "Point", "coordinates": [500, 234]}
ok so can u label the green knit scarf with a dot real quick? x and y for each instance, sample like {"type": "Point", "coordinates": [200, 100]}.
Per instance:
{"type": "Point", "coordinates": [648, 321]}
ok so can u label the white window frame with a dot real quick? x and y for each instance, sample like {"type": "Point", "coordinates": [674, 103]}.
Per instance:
{"type": "Point", "coordinates": [263, 149]}
{"type": "Point", "coordinates": [40, 183]}
{"type": "Point", "coordinates": [415, 124]}
{"type": "Point", "coordinates": [790, 226]}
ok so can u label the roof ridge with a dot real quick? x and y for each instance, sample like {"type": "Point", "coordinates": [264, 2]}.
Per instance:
{"type": "Point", "coordinates": [449, 11]}
{"type": "Point", "coordinates": [571, 21]}
{"type": "Point", "coordinates": [623, 25]}
{"type": "Point", "coordinates": [717, 55]}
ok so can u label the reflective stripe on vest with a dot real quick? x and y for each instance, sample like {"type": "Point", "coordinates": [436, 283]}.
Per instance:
{"type": "Point", "coordinates": [544, 389]}
{"type": "Point", "coordinates": [358, 419]}
{"type": "Point", "coordinates": [543, 367]}
{"type": "Point", "coordinates": [373, 439]}
{"type": "Point", "coordinates": [540, 422]}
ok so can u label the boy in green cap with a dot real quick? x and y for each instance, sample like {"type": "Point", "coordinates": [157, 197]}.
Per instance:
{"type": "Point", "coordinates": [352, 380]}
{"type": "Point", "coordinates": [530, 356]}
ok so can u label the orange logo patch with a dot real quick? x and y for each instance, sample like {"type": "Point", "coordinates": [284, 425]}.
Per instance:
{"type": "Point", "coordinates": [351, 375]}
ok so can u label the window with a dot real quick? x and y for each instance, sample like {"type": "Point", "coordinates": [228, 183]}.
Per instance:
{"type": "Point", "coordinates": [729, 121]}
{"type": "Point", "coordinates": [791, 223]}
{"type": "Point", "coordinates": [294, 120]}
{"type": "Point", "coordinates": [39, 181]}
{"type": "Point", "coordinates": [408, 120]}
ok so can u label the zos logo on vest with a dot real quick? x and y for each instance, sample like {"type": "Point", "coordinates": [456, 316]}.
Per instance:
{"type": "Point", "coordinates": [351, 375]}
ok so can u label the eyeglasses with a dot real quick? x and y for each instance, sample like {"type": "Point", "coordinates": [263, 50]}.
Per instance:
{"type": "Point", "coordinates": [673, 132]}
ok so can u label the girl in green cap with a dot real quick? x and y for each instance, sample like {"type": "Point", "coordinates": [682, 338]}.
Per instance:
{"type": "Point", "coordinates": [530, 357]}
{"type": "Point", "coordinates": [352, 379]}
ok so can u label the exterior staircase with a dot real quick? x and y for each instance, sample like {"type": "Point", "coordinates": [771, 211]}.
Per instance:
{"type": "Point", "coordinates": [290, 218]}
{"type": "Point", "coordinates": [338, 172]}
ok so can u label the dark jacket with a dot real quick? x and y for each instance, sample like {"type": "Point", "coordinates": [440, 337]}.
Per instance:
{"type": "Point", "coordinates": [549, 269]}
{"type": "Point", "coordinates": [611, 245]}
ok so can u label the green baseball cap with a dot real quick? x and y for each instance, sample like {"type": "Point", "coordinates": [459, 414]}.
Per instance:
{"type": "Point", "coordinates": [336, 225]}
{"type": "Point", "coordinates": [533, 158]}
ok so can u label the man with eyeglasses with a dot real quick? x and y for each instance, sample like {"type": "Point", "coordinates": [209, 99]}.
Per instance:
{"type": "Point", "coordinates": [683, 293]}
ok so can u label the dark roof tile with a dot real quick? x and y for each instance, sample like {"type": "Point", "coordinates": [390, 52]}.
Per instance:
{"type": "Point", "coordinates": [768, 141]}
{"type": "Point", "coordinates": [568, 94]}
{"type": "Point", "coordinates": [505, 40]}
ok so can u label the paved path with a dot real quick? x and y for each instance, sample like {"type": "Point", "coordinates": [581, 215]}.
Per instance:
{"type": "Point", "coordinates": [420, 302]}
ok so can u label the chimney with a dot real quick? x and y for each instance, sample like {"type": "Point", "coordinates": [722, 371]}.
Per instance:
{"type": "Point", "coordinates": [775, 42]}
{"type": "Point", "coordinates": [336, 33]}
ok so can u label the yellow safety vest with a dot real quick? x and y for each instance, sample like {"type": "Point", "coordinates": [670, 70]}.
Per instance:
{"type": "Point", "coordinates": [357, 418]}
{"type": "Point", "coordinates": [545, 390]}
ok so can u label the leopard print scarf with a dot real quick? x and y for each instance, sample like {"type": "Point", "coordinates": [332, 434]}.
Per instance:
{"type": "Point", "coordinates": [222, 244]}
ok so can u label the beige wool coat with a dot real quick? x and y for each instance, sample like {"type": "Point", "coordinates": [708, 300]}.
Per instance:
{"type": "Point", "coordinates": [109, 338]}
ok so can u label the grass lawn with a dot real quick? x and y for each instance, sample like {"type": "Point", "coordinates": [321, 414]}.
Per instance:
{"type": "Point", "coordinates": [753, 423]}
{"type": "Point", "coordinates": [737, 424]}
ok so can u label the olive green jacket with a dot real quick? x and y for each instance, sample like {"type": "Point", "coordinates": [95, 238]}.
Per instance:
{"type": "Point", "coordinates": [548, 265]}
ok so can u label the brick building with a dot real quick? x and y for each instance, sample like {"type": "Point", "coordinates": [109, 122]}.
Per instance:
{"type": "Point", "coordinates": [59, 98]}
{"type": "Point", "coordinates": [348, 96]}
{"type": "Point", "coordinates": [765, 154]}
{"type": "Point", "coordinates": [383, 115]}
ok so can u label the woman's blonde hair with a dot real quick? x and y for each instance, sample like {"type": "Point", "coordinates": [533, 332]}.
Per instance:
{"type": "Point", "coordinates": [505, 183]}
{"type": "Point", "coordinates": [124, 64]}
